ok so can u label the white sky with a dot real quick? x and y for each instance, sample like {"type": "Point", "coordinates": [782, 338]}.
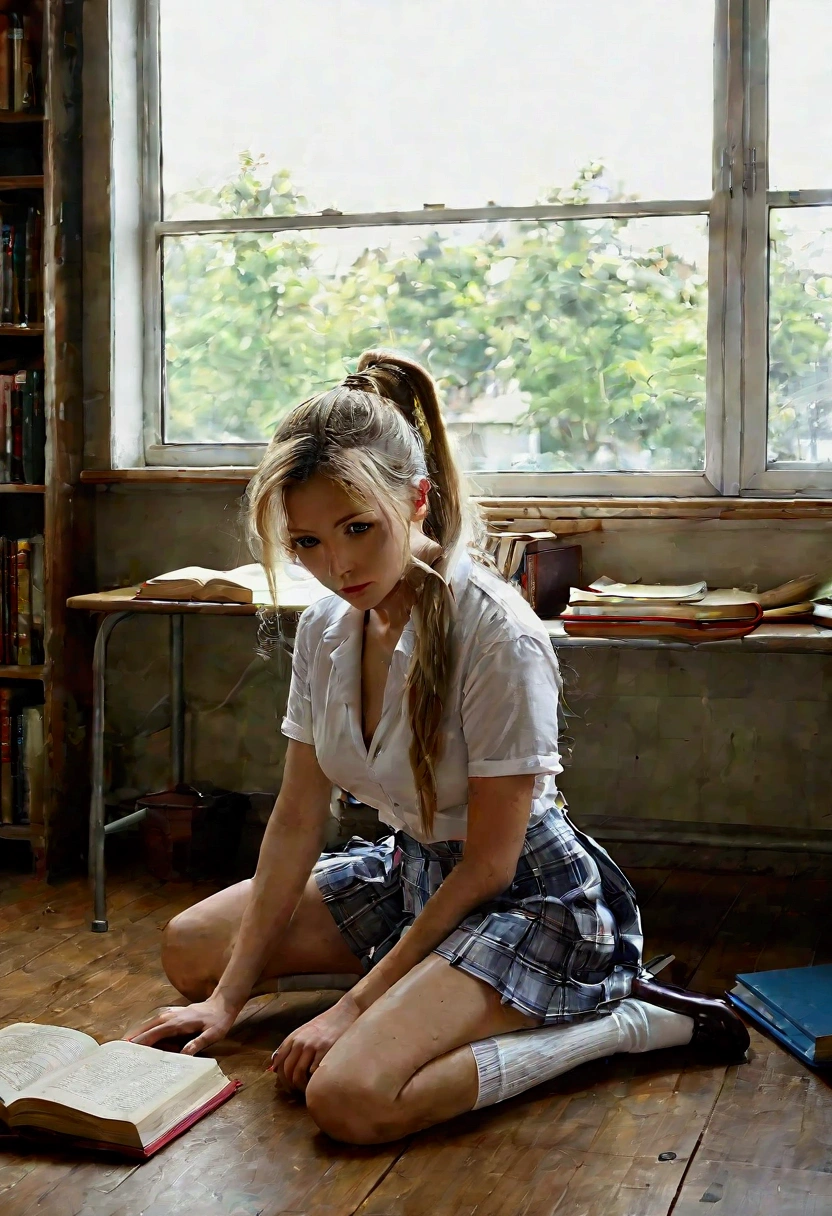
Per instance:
{"type": "Point", "coordinates": [377, 104]}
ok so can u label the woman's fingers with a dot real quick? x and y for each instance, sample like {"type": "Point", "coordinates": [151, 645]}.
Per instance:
{"type": "Point", "coordinates": [167, 1028]}
{"type": "Point", "coordinates": [319, 1055]}
{"type": "Point", "coordinates": [300, 1074]}
{"type": "Point", "coordinates": [202, 1041]}
{"type": "Point", "coordinates": [156, 1018]}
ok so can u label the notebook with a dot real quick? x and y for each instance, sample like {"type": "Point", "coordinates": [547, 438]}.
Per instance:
{"type": "Point", "coordinates": [794, 1005]}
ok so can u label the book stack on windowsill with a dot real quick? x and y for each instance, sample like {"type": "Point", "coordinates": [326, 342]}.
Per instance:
{"type": "Point", "coordinates": [687, 613]}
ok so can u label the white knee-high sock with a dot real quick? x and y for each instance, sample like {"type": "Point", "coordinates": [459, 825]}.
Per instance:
{"type": "Point", "coordinates": [509, 1064]}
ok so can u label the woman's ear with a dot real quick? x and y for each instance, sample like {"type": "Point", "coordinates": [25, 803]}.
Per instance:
{"type": "Point", "coordinates": [420, 503]}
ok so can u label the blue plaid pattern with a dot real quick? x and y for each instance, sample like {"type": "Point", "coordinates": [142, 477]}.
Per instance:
{"type": "Point", "coordinates": [562, 941]}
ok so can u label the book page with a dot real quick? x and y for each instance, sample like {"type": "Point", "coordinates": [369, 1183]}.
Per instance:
{"type": "Point", "coordinates": [189, 574]}
{"type": "Point", "coordinates": [122, 1081]}
{"type": "Point", "coordinates": [28, 1052]}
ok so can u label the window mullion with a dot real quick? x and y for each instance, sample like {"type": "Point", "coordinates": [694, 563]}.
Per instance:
{"type": "Point", "coordinates": [754, 360]}
{"type": "Point", "coordinates": [150, 142]}
{"type": "Point", "coordinates": [724, 305]}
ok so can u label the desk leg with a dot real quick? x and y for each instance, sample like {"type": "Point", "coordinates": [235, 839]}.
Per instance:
{"type": "Point", "coordinates": [97, 869]}
{"type": "Point", "coordinates": [177, 698]}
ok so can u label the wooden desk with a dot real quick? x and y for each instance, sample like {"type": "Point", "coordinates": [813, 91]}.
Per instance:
{"type": "Point", "coordinates": [114, 607]}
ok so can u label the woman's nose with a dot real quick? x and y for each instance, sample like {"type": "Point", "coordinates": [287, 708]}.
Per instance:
{"type": "Point", "coordinates": [338, 563]}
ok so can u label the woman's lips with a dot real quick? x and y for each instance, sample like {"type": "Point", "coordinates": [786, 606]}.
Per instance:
{"type": "Point", "coordinates": [354, 590]}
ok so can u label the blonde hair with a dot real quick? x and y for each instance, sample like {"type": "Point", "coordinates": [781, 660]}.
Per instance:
{"type": "Point", "coordinates": [377, 435]}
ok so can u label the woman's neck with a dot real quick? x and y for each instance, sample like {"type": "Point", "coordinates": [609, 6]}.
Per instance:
{"type": "Point", "coordinates": [393, 613]}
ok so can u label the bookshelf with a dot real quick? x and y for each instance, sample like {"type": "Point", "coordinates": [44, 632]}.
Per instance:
{"type": "Point", "coordinates": [40, 333]}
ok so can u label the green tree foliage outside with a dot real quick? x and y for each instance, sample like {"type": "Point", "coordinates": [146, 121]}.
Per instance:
{"type": "Point", "coordinates": [600, 330]}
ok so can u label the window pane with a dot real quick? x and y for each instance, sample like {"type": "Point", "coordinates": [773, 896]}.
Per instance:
{"type": "Point", "coordinates": [800, 336]}
{"type": "Point", "coordinates": [800, 95]}
{"type": "Point", "coordinates": [577, 345]}
{"type": "Point", "coordinates": [374, 105]}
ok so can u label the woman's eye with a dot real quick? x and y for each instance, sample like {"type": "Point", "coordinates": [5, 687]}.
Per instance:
{"type": "Point", "coordinates": [358, 529]}
{"type": "Point", "coordinates": [305, 542]}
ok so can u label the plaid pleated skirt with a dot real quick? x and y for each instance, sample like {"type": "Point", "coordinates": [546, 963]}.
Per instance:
{"type": "Point", "coordinates": [564, 940]}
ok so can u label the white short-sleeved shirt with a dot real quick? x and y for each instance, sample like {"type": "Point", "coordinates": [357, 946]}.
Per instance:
{"type": "Point", "coordinates": [500, 719]}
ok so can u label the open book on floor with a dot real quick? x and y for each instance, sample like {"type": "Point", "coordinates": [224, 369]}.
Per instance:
{"type": "Point", "coordinates": [120, 1096]}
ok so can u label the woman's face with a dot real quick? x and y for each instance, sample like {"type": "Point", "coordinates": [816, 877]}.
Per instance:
{"type": "Point", "coordinates": [350, 547]}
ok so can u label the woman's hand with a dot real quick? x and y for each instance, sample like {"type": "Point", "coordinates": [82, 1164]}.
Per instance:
{"type": "Point", "coordinates": [211, 1020]}
{"type": "Point", "coordinates": [301, 1052]}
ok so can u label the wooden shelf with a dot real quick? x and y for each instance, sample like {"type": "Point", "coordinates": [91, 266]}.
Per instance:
{"type": "Point", "coordinates": [24, 182]}
{"type": "Point", "coordinates": [21, 673]}
{"type": "Point", "coordinates": [20, 116]}
{"type": "Point", "coordinates": [15, 487]}
{"type": "Point", "coordinates": [230, 475]}
{"type": "Point", "coordinates": [22, 331]}
{"type": "Point", "coordinates": [15, 831]}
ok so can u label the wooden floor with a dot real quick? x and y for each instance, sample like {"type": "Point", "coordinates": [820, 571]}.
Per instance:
{"type": "Point", "coordinates": [637, 1136]}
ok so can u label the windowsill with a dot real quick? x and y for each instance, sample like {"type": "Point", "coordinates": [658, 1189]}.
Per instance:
{"type": "Point", "coordinates": [529, 507]}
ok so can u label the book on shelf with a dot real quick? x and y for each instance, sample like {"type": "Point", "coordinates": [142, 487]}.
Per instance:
{"type": "Point", "coordinates": [22, 427]}
{"type": "Point", "coordinates": [541, 566]}
{"type": "Point", "coordinates": [18, 63]}
{"type": "Point", "coordinates": [21, 758]}
{"type": "Point", "coordinates": [119, 1096]}
{"type": "Point", "coordinates": [21, 601]}
{"type": "Point", "coordinates": [243, 585]}
{"type": "Point", "coordinates": [794, 1005]}
{"type": "Point", "coordinates": [21, 239]}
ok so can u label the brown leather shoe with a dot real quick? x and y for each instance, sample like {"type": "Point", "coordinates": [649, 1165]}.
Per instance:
{"type": "Point", "coordinates": [718, 1033]}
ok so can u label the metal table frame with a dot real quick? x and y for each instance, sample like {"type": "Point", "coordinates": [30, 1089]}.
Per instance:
{"type": "Point", "coordinates": [114, 607]}
{"type": "Point", "coordinates": [99, 828]}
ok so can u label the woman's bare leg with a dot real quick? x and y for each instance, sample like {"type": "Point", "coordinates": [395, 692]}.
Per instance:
{"type": "Point", "coordinates": [405, 1064]}
{"type": "Point", "coordinates": [197, 943]}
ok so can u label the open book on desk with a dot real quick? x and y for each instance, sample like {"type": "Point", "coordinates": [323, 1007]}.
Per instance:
{"type": "Point", "coordinates": [243, 585]}
{"type": "Point", "coordinates": [120, 1096]}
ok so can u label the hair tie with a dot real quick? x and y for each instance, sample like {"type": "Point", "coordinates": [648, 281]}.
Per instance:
{"type": "Point", "coordinates": [421, 422]}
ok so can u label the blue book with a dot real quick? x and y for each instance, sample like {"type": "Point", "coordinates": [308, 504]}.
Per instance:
{"type": "Point", "coordinates": [794, 1005]}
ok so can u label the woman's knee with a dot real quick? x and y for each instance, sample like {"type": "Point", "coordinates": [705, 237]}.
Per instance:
{"type": "Point", "coordinates": [351, 1105]}
{"type": "Point", "coordinates": [187, 962]}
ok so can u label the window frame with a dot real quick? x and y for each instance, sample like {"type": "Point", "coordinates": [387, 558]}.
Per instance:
{"type": "Point", "coordinates": [737, 361]}
{"type": "Point", "coordinates": [799, 478]}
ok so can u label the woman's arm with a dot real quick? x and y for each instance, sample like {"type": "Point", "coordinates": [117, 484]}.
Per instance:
{"type": "Point", "coordinates": [498, 817]}
{"type": "Point", "coordinates": [290, 847]}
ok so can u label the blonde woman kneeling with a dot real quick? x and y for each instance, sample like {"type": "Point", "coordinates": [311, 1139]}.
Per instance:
{"type": "Point", "coordinates": [427, 687]}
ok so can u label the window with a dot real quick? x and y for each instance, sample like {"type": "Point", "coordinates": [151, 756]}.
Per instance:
{"type": "Point", "coordinates": [790, 250]}
{"type": "Point", "coordinates": [561, 209]}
